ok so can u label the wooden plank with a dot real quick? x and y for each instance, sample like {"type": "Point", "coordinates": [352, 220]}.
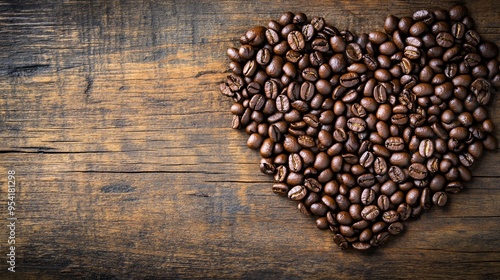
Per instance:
{"type": "Point", "coordinates": [126, 166]}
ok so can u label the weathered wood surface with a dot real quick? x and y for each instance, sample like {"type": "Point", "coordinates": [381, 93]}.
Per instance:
{"type": "Point", "coordinates": [126, 166]}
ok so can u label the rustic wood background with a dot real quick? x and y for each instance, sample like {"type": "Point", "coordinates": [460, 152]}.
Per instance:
{"type": "Point", "coordinates": [126, 166]}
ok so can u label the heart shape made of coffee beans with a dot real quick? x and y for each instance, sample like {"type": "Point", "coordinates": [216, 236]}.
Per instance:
{"type": "Point", "coordinates": [365, 131]}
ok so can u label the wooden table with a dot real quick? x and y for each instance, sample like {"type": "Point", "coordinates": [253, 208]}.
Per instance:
{"type": "Point", "coordinates": [126, 165]}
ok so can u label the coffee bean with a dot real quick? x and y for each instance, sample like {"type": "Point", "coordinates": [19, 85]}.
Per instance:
{"type": "Point", "coordinates": [399, 119]}
{"type": "Point", "coordinates": [356, 124]}
{"type": "Point", "coordinates": [417, 171]}
{"type": "Point", "coordinates": [423, 89]}
{"type": "Point", "coordinates": [440, 198]}
{"type": "Point", "coordinates": [426, 148]}
{"type": "Point", "coordinates": [281, 189]}
{"type": "Point", "coordinates": [366, 159]}
{"type": "Point", "coordinates": [370, 212]}
{"type": "Point", "coordinates": [318, 209]}
{"type": "Point", "coordinates": [296, 40]}
{"type": "Point", "coordinates": [380, 166]}
{"type": "Point", "coordinates": [368, 196]}
{"type": "Point", "coordinates": [366, 180]}
{"type": "Point", "coordinates": [362, 246]}
{"type": "Point", "coordinates": [354, 52]}
{"type": "Point", "coordinates": [297, 193]}
{"type": "Point", "coordinates": [395, 143]}
{"type": "Point", "coordinates": [397, 174]}
{"type": "Point", "coordinates": [340, 241]}
{"type": "Point", "coordinates": [350, 79]}
{"type": "Point", "coordinates": [411, 52]}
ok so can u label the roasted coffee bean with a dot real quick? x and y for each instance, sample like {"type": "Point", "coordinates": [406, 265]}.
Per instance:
{"type": "Point", "coordinates": [367, 159]}
{"type": "Point", "coordinates": [318, 209]}
{"type": "Point", "coordinates": [417, 171]}
{"type": "Point", "coordinates": [380, 166]}
{"type": "Point", "coordinates": [454, 187]}
{"type": "Point", "coordinates": [395, 144]}
{"type": "Point", "coordinates": [356, 124]}
{"type": "Point", "coordinates": [341, 242]}
{"type": "Point", "coordinates": [399, 119]}
{"type": "Point", "coordinates": [411, 52]}
{"type": "Point", "coordinates": [440, 198]}
{"type": "Point", "coordinates": [370, 212]}
{"type": "Point", "coordinates": [296, 40]}
{"type": "Point", "coordinates": [397, 174]}
{"type": "Point", "coordinates": [350, 79]}
{"type": "Point", "coordinates": [281, 189]}
{"type": "Point", "coordinates": [426, 148]}
{"type": "Point", "coordinates": [366, 180]}
{"type": "Point", "coordinates": [297, 193]}
{"type": "Point", "coordinates": [354, 52]}
{"type": "Point", "coordinates": [423, 89]}
{"type": "Point", "coordinates": [282, 103]}
{"type": "Point", "coordinates": [368, 196]}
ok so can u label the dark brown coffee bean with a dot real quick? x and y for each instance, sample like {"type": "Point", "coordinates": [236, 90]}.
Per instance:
{"type": "Point", "coordinates": [399, 119]}
{"type": "Point", "coordinates": [391, 24]}
{"type": "Point", "coordinates": [362, 246]}
{"type": "Point", "coordinates": [418, 28]}
{"type": "Point", "coordinates": [310, 74]}
{"type": "Point", "coordinates": [397, 174]}
{"type": "Point", "coordinates": [340, 241]}
{"type": "Point", "coordinates": [380, 94]}
{"type": "Point", "coordinates": [366, 180]}
{"type": "Point", "coordinates": [281, 189]}
{"type": "Point", "coordinates": [318, 209]}
{"type": "Point", "coordinates": [313, 185]}
{"type": "Point", "coordinates": [454, 187]}
{"type": "Point", "coordinates": [411, 52]}
{"type": "Point", "coordinates": [390, 216]}
{"type": "Point", "coordinates": [417, 171]}
{"type": "Point", "coordinates": [354, 52]}
{"type": "Point", "coordinates": [426, 148]}
{"type": "Point", "coordinates": [460, 133]}
{"type": "Point", "coordinates": [466, 159]}
{"type": "Point", "coordinates": [295, 162]}
{"type": "Point", "coordinates": [404, 211]}
{"type": "Point", "coordinates": [255, 141]}
{"type": "Point", "coordinates": [297, 193]}
{"type": "Point", "coordinates": [423, 89]}
{"type": "Point", "coordinates": [425, 16]}
{"type": "Point", "coordinates": [395, 143]}
{"type": "Point", "coordinates": [367, 159]}
{"type": "Point", "coordinates": [368, 196]}
{"type": "Point", "coordinates": [275, 67]}
{"type": "Point", "coordinates": [282, 103]}
{"type": "Point", "coordinates": [439, 198]}
{"type": "Point", "coordinates": [322, 223]}
{"type": "Point", "coordinates": [356, 124]}
{"type": "Point", "coordinates": [344, 218]}
{"type": "Point", "coordinates": [452, 54]}
{"type": "Point", "coordinates": [272, 37]}
{"type": "Point", "coordinates": [382, 75]}
{"type": "Point", "coordinates": [370, 212]}
{"type": "Point", "coordinates": [458, 30]}
{"type": "Point", "coordinates": [380, 166]}
{"type": "Point", "coordinates": [350, 79]}
{"type": "Point", "coordinates": [306, 141]}
{"type": "Point", "coordinates": [296, 40]}
{"type": "Point", "coordinates": [481, 88]}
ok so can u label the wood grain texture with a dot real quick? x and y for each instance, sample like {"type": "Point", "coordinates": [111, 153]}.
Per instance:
{"type": "Point", "coordinates": [126, 166]}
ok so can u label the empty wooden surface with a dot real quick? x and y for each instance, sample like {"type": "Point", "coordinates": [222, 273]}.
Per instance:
{"type": "Point", "coordinates": [126, 166]}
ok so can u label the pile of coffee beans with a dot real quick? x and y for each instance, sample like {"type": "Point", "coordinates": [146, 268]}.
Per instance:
{"type": "Point", "coordinates": [365, 132]}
